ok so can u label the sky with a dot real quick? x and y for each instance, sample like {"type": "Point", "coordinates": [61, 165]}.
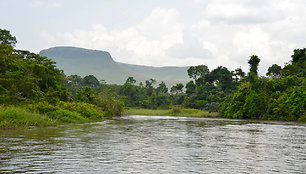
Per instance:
{"type": "Point", "coordinates": [163, 32]}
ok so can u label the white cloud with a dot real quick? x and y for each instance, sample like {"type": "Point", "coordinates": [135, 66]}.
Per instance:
{"type": "Point", "coordinates": [234, 30]}
{"type": "Point", "coordinates": [243, 11]}
{"type": "Point", "coordinates": [228, 32]}
{"type": "Point", "coordinates": [190, 48]}
{"type": "Point", "coordinates": [48, 4]}
{"type": "Point", "coordinates": [146, 42]}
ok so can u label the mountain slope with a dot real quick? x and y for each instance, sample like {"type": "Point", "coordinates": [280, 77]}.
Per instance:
{"type": "Point", "coordinates": [84, 62]}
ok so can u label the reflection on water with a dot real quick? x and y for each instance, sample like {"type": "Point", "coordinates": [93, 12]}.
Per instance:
{"type": "Point", "coordinates": [143, 144]}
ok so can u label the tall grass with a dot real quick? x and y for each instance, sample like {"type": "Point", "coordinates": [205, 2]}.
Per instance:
{"type": "Point", "coordinates": [14, 117]}
{"type": "Point", "coordinates": [182, 112]}
{"type": "Point", "coordinates": [45, 114]}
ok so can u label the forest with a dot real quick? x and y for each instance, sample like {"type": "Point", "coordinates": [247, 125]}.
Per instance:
{"type": "Point", "coordinates": [33, 91]}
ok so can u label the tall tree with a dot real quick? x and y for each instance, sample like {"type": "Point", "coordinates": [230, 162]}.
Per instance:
{"type": "Point", "coordinates": [190, 87]}
{"type": "Point", "coordinates": [130, 80]}
{"type": "Point", "coordinates": [91, 81]}
{"type": "Point", "coordinates": [149, 86]}
{"type": "Point", "coordinates": [7, 38]}
{"type": "Point", "coordinates": [223, 76]}
{"type": "Point", "coordinates": [274, 71]}
{"type": "Point", "coordinates": [253, 62]}
{"type": "Point", "coordinates": [196, 72]}
{"type": "Point", "coordinates": [178, 88]}
{"type": "Point", "coordinates": [162, 88]}
{"type": "Point", "coordinates": [299, 55]}
{"type": "Point", "coordinates": [239, 72]}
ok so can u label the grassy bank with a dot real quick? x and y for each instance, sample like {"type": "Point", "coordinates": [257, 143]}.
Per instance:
{"type": "Point", "coordinates": [44, 114]}
{"type": "Point", "coordinates": [170, 112]}
{"type": "Point", "coordinates": [15, 117]}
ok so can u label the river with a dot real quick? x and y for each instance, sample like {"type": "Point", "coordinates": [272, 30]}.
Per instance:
{"type": "Point", "coordinates": [157, 144]}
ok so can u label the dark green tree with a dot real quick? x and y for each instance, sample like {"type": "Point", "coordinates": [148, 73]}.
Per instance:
{"type": "Point", "coordinates": [7, 38]}
{"type": "Point", "coordinates": [162, 88]}
{"type": "Point", "coordinates": [222, 77]}
{"type": "Point", "coordinates": [149, 86]}
{"type": "Point", "coordinates": [274, 71]}
{"type": "Point", "coordinates": [239, 73]}
{"type": "Point", "coordinates": [130, 80]}
{"type": "Point", "coordinates": [176, 89]}
{"type": "Point", "coordinates": [190, 87]}
{"type": "Point", "coordinates": [253, 62]}
{"type": "Point", "coordinates": [299, 55]}
{"type": "Point", "coordinates": [298, 64]}
{"type": "Point", "coordinates": [196, 72]}
{"type": "Point", "coordinates": [91, 81]}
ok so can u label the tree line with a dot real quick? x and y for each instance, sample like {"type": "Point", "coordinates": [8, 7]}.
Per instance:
{"type": "Point", "coordinates": [27, 77]}
{"type": "Point", "coordinates": [32, 81]}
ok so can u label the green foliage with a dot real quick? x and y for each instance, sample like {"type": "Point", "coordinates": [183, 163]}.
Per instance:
{"type": "Point", "coordinates": [281, 98]}
{"type": "Point", "coordinates": [19, 117]}
{"type": "Point", "coordinates": [190, 87]}
{"type": "Point", "coordinates": [253, 62]}
{"type": "Point", "coordinates": [69, 112]}
{"type": "Point", "coordinates": [299, 55]}
{"type": "Point", "coordinates": [196, 72]}
{"type": "Point", "coordinates": [222, 77]}
{"type": "Point", "coordinates": [26, 76]}
{"type": "Point", "coordinates": [239, 73]}
{"type": "Point", "coordinates": [162, 88]}
{"type": "Point", "coordinates": [91, 81]}
{"type": "Point", "coordinates": [274, 71]}
{"type": "Point", "coordinates": [176, 89]}
{"type": "Point", "coordinates": [130, 80]}
{"type": "Point", "coordinates": [85, 109]}
{"type": "Point", "coordinates": [66, 116]}
{"type": "Point", "coordinates": [149, 86]}
{"type": "Point", "coordinates": [254, 106]}
{"type": "Point", "coordinates": [176, 110]}
{"type": "Point", "coordinates": [7, 38]}
{"type": "Point", "coordinates": [298, 64]}
{"type": "Point", "coordinates": [109, 103]}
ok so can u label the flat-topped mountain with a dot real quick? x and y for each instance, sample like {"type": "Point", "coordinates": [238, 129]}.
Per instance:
{"type": "Point", "coordinates": [84, 62]}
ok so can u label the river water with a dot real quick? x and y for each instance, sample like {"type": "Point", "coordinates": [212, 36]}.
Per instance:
{"type": "Point", "coordinates": [154, 144]}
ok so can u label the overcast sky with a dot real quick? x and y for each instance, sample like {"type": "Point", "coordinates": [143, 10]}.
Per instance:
{"type": "Point", "coordinates": [163, 32]}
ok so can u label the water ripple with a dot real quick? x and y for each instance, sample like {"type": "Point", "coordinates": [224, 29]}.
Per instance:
{"type": "Point", "coordinates": [142, 144]}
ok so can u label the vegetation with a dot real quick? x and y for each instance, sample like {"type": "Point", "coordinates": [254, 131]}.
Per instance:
{"type": "Point", "coordinates": [33, 92]}
{"type": "Point", "coordinates": [281, 96]}
{"type": "Point", "coordinates": [176, 111]}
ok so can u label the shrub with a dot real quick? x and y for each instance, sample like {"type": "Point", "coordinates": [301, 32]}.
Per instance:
{"type": "Point", "coordinates": [176, 110]}
{"type": "Point", "coordinates": [17, 116]}
{"type": "Point", "coordinates": [67, 116]}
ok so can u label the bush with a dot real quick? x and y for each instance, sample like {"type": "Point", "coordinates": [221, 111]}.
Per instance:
{"type": "Point", "coordinates": [67, 116]}
{"type": "Point", "coordinates": [109, 104]}
{"type": "Point", "coordinates": [73, 111]}
{"type": "Point", "coordinates": [176, 110]}
{"type": "Point", "coordinates": [17, 116]}
{"type": "Point", "coordinates": [85, 109]}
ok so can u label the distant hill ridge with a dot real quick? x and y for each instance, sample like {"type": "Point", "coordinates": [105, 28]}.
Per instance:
{"type": "Point", "coordinates": [84, 62]}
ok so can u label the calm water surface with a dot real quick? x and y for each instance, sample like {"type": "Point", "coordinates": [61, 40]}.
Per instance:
{"type": "Point", "coordinates": [152, 144]}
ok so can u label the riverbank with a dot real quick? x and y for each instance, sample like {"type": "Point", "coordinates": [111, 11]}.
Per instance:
{"type": "Point", "coordinates": [180, 112]}
{"type": "Point", "coordinates": [44, 114]}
